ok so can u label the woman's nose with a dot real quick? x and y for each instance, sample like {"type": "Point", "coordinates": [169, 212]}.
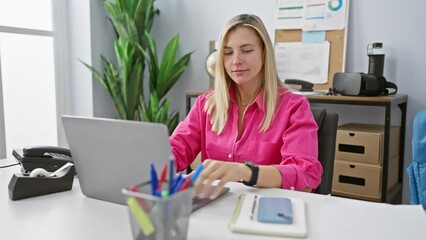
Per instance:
{"type": "Point", "coordinates": [237, 59]}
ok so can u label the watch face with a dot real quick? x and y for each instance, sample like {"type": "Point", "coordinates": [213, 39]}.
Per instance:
{"type": "Point", "coordinates": [250, 164]}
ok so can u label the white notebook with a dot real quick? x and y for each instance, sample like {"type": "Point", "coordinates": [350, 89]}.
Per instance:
{"type": "Point", "coordinates": [242, 221]}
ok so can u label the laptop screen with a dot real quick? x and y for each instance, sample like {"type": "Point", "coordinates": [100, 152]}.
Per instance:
{"type": "Point", "coordinates": [111, 154]}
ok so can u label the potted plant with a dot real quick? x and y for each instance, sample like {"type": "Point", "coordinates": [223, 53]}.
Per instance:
{"type": "Point", "coordinates": [162, 78]}
{"type": "Point", "coordinates": [135, 49]}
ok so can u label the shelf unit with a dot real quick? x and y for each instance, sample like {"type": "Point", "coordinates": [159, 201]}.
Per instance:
{"type": "Point", "coordinates": [394, 195]}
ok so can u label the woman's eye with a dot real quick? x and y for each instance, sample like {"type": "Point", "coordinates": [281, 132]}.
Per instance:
{"type": "Point", "coordinates": [227, 53]}
{"type": "Point", "coordinates": [248, 51]}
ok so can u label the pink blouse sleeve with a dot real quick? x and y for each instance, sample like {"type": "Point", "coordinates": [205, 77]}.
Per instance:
{"type": "Point", "coordinates": [299, 166]}
{"type": "Point", "coordinates": [186, 138]}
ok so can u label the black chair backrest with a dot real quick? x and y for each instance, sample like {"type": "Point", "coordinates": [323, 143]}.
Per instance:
{"type": "Point", "coordinates": [327, 130]}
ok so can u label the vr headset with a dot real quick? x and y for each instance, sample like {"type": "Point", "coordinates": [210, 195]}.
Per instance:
{"type": "Point", "coordinates": [361, 84]}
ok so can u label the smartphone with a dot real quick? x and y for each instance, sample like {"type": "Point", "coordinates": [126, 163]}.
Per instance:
{"type": "Point", "coordinates": [275, 210]}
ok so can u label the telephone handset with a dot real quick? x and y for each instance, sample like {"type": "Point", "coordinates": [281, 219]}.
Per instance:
{"type": "Point", "coordinates": [48, 157]}
{"type": "Point", "coordinates": [46, 151]}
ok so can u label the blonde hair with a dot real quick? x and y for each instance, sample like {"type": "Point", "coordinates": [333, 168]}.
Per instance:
{"type": "Point", "coordinates": [218, 101]}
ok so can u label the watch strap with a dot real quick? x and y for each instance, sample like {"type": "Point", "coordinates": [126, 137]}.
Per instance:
{"type": "Point", "coordinates": [254, 174]}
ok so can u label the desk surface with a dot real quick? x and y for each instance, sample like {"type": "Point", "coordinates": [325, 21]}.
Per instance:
{"type": "Point", "coordinates": [71, 215]}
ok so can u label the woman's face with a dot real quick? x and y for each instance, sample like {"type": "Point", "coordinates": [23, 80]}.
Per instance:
{"type": "Point", "coordinates": [243, 56]}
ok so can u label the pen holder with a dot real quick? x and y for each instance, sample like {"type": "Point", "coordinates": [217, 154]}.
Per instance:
{"type": "Point", "coordinates": [23, 186]}
{"type": "Point", "coordinates": [158, 218]}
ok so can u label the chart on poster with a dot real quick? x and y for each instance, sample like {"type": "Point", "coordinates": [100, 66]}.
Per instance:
{"type": "Point", "coordinates": [310, 39]}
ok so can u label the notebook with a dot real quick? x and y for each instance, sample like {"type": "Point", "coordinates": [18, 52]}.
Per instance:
{"type": "Point", "coordinates": [111, 154]}
{"type": "Point", "coordinates": [245, 219]}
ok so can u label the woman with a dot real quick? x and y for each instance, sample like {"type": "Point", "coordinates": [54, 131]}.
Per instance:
{"type": "Point", "coordinates": [250, 128]}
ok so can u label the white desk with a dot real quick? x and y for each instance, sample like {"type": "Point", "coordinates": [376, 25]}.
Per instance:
{"type": "Point", "coordinates": [71, 215]}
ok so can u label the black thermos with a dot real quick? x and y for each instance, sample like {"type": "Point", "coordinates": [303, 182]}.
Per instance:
{"type": "Point", "coordinates": [376, 58]}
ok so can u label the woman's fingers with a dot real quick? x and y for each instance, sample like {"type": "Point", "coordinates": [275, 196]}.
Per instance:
{"type": "Point", "coordinates": [215, 170]}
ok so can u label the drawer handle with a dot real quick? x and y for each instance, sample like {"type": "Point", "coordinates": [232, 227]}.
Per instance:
{"type": "Point", "coordinates": [352, 180]}
{"type": "Point", "coordinates": [351, 134]}
{"type": "Point", "coordinates": [351, 148]}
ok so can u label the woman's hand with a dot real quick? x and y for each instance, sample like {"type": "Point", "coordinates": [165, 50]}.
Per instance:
{"type": "Point", "coordinates": [269, 176]}
{"type": "Point", "coordinates": [222, 171]}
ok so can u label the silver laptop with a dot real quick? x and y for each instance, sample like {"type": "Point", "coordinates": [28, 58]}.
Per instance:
{"type": "Point", "coordinates": [111, 154]}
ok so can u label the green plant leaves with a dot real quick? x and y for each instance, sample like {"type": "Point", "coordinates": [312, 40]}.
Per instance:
{"type": "Point", "coordinates": [134, 48]}
{"type": "Point", "coordinates": [163, 77]}
{"type": "Point", "coordinates": [157, 111]}
{"type": "Point", "coordinates": [130, 63]}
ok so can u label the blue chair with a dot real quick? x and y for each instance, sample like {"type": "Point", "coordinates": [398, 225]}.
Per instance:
{"type": "Point", "coordinates": [417, 169]}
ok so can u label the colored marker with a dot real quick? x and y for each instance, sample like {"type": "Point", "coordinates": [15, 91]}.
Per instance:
{"type": "Point", "coordinates": [163, 177]}
{"type": "Point", "coordinates": [197, 173]}
{"type": "Point", "coordinates": [141, 202]}
{"type": "Point", "coordinates": [185, 184]}
{"type": "Point", "coordinates": [141, 217]}
{"type": "Point", "coordinates": [178, 183]}
{"type": "Point", "coordinates": [165, 194]}
{"type": "Point", "coordinates": [154, 180]}
{"type": "Point", "coordinates": [171, 175]}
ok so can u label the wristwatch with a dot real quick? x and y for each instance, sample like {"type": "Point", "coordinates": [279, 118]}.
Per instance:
{"type": "Point", "coordinates": [254, 173]}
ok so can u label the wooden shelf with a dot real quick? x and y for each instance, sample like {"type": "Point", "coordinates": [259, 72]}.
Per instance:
{"type": "Point", "coordinates": [388, 102]}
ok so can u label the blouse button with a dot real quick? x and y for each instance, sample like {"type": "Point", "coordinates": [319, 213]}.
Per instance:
{"type": "Point", "coordinates": [229, 155]}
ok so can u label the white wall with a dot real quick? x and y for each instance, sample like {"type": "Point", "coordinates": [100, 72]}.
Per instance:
{"type": "Point", "coordinates": [73, 44]}
{"type": "Point", "coordinates": [79, 88]}
{"type": "Point", "coordinates": [88, 35]}
{"type": "Point", "coordinates": [400, 28]}
{"type": "Point", "coordinates": [102, 42]}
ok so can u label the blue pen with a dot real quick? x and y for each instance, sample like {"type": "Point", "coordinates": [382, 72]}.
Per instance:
{"type": "Point", "coordinates": [179, 185]}
{"type": "Point", "coordinates": [171, 175]}
{"type": "Point", "coordinates": [197, 173]}
{"type": "Point", "coordinates": [154, 180]}
{"type": "Point", "coordinates": [177, 182]}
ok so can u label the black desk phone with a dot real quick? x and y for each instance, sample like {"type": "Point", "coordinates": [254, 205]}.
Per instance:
{"type": "Point", "coordinates": [48, 157]}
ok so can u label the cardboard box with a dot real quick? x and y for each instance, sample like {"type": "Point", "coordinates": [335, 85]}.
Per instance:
{"type": "Point", "coordinates": [360, 180]}
{"type": "Point", "coordinates": [364, 143]}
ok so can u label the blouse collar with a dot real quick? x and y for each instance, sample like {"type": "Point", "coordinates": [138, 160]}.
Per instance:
{"type": "Point", "coordinates": [259, 101]}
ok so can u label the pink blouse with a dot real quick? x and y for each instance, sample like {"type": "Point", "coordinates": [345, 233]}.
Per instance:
{"type": "Point", "coordinates": [290, 144]}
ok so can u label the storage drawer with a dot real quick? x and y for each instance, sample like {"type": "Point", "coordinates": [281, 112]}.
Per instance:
{"type": "Point", "coordinates": [364, 143]}
{"type": "Point", "coordinates": [362, 180]}
{"type": "Point", "coordinates": [356, 179]}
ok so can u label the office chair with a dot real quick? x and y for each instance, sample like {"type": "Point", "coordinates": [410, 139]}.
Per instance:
{"type": "Point", "coordinates": [327, 130]}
